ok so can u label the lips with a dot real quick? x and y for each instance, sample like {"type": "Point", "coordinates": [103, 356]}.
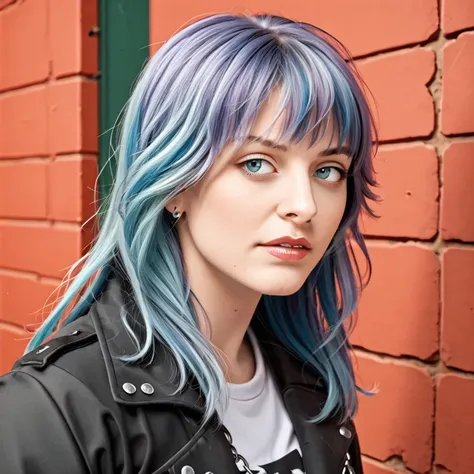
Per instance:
{"type": "Point", "coordinates": [288, 240]}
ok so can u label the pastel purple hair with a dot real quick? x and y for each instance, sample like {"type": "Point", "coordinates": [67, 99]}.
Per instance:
{"type": "Point", "coordinates": [201, 90]}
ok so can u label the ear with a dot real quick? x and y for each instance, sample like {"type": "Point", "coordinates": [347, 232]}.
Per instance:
{"type": "Point", "coordinates": [176, 203]}
{"type": "Point", "coordinates": [171, 206]}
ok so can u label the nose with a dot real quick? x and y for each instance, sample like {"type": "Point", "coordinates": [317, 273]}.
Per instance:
{"type": "Point", "coordinates": [299, 202]}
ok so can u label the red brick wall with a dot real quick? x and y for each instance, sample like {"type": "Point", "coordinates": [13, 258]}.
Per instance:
{"type": "Point", "coordinates": [48, 154]}
{"type": "Point", "coordinates": [416, 319]}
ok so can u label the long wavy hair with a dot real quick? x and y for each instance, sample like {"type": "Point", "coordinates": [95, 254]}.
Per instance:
{"type": "Point", "coordinates": [202, 90]}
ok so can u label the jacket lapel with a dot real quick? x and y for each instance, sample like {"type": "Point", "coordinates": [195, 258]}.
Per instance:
{"type": "Point", "coordinates": [160, 374]}
{"type": "Point", "coordinates": [323, 445]}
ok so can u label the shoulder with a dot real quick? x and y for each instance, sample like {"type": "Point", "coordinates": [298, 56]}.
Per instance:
{"type": "Point", "coordinates": [71, 361]}
{"type": "Point", "coordinates": [71, 338]}
{"type": "Point", "coordinates": [32, 415]}
{"type": "Point", "coordinates": [60, 365]}
{"type": "Point", "coordinates": [49, 399]}
{"type": "Point", "coordinates": [71, 349]}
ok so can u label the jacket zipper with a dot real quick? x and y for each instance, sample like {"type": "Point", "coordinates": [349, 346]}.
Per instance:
{"type": "Point", "coordinates": [237, 457]}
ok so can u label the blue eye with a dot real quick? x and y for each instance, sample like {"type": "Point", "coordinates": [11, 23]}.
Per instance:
{"type": "Point", "coordinates": [323, 173]}
{"type": "Point", "coordinates": [330, 174]}
{"type": "Point", "coordinates": [255, 165]}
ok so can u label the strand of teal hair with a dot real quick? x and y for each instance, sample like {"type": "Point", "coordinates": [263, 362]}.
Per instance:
{"type": "Point", "coordinates": [294, 321]}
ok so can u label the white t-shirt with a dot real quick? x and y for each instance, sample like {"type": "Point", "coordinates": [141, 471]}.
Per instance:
{"type": "Point", "coordinates": [259, 424]}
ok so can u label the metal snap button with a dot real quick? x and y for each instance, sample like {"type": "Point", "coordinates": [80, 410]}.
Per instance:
{"type": "Point", "coordinates": [129, 388]}
{"type": "Point", "coordinates": [187, 470]}
{"type": "Point", "coordinates": [147, 388]}
{"type": "Point", "coordinates": [345, 432]}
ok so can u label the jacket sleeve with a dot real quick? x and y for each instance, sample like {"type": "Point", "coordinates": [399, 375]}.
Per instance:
{"type": "Point", "coordinates": [34, 437]}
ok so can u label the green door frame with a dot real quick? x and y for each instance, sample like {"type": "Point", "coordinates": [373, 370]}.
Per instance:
{"type": "Point", "coordinates": [124, 48]}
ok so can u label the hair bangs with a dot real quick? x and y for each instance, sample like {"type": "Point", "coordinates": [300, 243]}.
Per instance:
{"type": "Point", "coordinates": [317, 96]}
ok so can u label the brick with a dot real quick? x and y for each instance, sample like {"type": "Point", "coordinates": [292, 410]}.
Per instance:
{"type": "Point", "coordinates": [23, 189]}
{"type": "Point", "coordinates": [457, 193]}
{"type": "Point", "coordinates": [371, 468]}
{"type": "Point", "coordinates": [5, 3]}
{"type": "Point", "coordinates": [23, 122]}
{"type": "Point", "coordinates": [73, 50]}
{"type": "Point", "coordinates": [365, 26]}
{"type": "Point", "coordinates": [398, 311]}
{"type": "Point", "coordinates": [454, 424]}
{"type": "Point", "coordinates": [457, 15]}
{"type": "Point", "coordinates": [24, 52]}
{"type": "Point", "coordinates": [71, 193]}
{"type": "Point", "coordinates": [24, 311]}
{"type": "Point", "coordinates": [457, 314]}
{"type": "Point", "coordinates": [457, 113]}
{"type": "Point", "coordinates": [73, 121]}
{"type": "Point", "coordinates": [13, 342]}
{"type": "Point", "coordinates": [40, 248]}
{"type": "Point", "coordinates": [403, 103]}
{"type": "Point", "coordinates": [408, 180]}
{"type": "Point", "coordinates": [381, 25]}
{"type": "Point", "coordinates": [397, 421]}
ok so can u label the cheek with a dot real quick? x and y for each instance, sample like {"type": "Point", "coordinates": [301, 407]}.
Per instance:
{"type": "Point", "coordinates": [339, 208]}
{"type": "Point", "coordinates": [225, 217]}
{"type": "Point", "coordinates": [223, 204]}
{"type": "Point", "coordinates": [331, 208]}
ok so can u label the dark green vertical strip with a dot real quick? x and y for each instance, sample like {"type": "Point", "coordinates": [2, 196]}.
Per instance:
{"type": "Point", "coordinates": [123, 50]}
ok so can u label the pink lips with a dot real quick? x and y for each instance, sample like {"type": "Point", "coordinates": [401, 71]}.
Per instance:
{"type": "Point", "coordinates": [290, 240]}
{"type": "Point", "coordinates": [288, 253]}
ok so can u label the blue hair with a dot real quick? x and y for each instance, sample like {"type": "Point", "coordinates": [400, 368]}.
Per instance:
{"type": "Point", "coordinates": [200, 91]}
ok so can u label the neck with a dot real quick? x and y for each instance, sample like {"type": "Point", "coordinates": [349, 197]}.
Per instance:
{"type": "Point", "coordinates": [225, 309]}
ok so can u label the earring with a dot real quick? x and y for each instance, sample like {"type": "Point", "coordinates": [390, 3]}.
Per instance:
{"type": "Point", "coordinates": [176, 213]}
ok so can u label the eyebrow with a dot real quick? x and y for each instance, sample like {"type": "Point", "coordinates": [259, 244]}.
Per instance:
{"type": "Point", "coordinates": [265, 142]}
{"type": "Point", "coordinates": [343, 150]}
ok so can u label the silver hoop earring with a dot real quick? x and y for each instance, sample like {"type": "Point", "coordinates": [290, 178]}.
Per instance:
{"type": "Point", "coordinates": [176, 213]}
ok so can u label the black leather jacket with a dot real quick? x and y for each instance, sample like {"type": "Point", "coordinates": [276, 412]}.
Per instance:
{"type": "Point", "coordinates": [72, 407]}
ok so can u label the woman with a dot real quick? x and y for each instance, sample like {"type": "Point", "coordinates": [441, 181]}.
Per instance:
{"type": "Point", "coordinates": [210, 335]}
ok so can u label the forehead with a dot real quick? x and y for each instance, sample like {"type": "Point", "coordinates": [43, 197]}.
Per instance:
{"type": "Point", "coordinates": [270, 122]}
{"type": "Point", "coordinates": [270, 118]}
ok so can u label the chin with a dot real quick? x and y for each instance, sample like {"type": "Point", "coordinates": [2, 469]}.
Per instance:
{"type": "Point", "coordinates": [283, 291]}
{"type": "Point", "coordinates": [283, 287]}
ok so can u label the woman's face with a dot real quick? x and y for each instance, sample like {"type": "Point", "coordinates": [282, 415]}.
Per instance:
{"type": "Point", "coordinates": [259, 193]}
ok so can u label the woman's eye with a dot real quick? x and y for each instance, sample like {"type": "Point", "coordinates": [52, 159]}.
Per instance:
{"type": "Point", "coordinates": [330, 173]}
{"type": "Point", "coordinates": [256, 166]}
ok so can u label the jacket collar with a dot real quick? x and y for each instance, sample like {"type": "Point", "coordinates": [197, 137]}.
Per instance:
{"type": "Point", "coordinates": [135, 383]}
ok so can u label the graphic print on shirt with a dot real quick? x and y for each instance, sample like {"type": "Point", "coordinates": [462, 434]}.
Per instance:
{"type": "Point", "coordinates": [289, 464]}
